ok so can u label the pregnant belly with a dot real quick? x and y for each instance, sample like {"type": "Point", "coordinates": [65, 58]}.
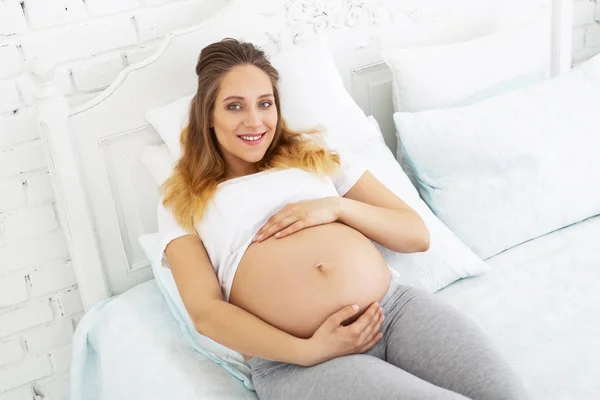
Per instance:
{"type": "Point", "coordinates": [296, 282]}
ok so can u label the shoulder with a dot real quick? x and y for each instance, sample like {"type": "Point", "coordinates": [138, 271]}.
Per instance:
{"type": "Point", "coordinates": [167, 223]}
{"type": "Point", "coordinates": [350, 171]}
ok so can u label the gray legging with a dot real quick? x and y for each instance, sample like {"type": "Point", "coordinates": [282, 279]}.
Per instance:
{"type": "Point", "coordinates": [428, 351]}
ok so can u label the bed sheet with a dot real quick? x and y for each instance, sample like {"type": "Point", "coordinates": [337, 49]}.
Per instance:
{"type": "Point", "coordinates": [540, 304]}
{"type": "Point", "coordinates": [131, 347]}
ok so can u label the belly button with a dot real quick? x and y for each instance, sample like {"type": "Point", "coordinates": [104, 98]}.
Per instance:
{"type": "Point", "coordinates": [319, 266]}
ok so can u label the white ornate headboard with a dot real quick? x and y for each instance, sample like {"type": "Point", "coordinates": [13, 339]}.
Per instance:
{"type": "Point", "coordinates": [105, 196]}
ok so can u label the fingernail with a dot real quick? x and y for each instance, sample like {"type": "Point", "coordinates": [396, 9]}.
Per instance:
{"type": "Point", "coordinates": [258, 237]}
{"type": "Point", "coordinates": [355, 306]}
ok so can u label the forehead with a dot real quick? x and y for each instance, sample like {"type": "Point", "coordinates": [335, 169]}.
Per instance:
{"type": "Point", "coordinates": [245, 81]}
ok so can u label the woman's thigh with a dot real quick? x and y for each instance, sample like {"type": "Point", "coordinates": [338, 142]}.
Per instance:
{"type": "Point", "coordinates": [354, 377]}
{"type": "Point", "coordinates": [428, 338]}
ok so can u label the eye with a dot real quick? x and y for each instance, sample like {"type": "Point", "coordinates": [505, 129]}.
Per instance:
{"type": "Point", "coordinates": [234, 107]}
{"type": "Point", "coordinates": [266, 104]}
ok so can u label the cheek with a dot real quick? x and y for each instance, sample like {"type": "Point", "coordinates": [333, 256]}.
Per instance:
{"type": "Point", "coordinates": [272, 119]}
{"type": "Point", "coordinates": [224, 129]}
{"type": "Point", "coordinates": [225, 125]}
{"type": "Point", "coordinates": [221, 120]}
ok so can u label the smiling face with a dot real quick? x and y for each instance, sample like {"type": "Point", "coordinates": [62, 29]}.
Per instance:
{"type": "Point", "coordinates": [244, 118]}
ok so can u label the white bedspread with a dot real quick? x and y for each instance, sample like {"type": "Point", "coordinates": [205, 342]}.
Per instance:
{"type": "Point", "coordinates": [130, 347]}
{"type": "Point", "coordinates": [540, 305]}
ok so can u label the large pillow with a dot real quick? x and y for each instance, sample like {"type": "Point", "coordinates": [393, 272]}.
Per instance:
{"type": "Point", "coordinates": [512, 167]}
{"type": "Point", "coordinates": [448, 259]}
{"type": "Point", "coordinates": [312, 94]}
{"type": "Point", "coordinates": [433, 77]}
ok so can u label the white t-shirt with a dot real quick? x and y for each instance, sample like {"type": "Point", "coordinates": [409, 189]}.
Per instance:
{"type": "Point", "coordinates": [241, 206]}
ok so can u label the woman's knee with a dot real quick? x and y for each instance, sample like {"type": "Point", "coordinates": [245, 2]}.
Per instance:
{"type": "Point", "coordinates": [499, 384]}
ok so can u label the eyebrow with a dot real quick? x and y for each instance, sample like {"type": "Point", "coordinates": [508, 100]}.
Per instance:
{"type": "Point", "coordinates": [242, 98]}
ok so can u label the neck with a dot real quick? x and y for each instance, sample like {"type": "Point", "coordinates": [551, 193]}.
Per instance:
{"type": "Point", "coordinates": [237, 171]}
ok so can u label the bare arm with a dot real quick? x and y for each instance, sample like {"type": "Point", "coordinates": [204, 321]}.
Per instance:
{"type": "Point", "coordinates": [223, 322]}
{"type": "Point", "coordinates": [369, 207]}
{"type": "Point", "coordinates": [241, 331]}
{"type": "Point", "coordinates": [376, 212]}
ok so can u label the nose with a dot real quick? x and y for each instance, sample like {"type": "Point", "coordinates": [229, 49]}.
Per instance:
{"type": "Point", "coordinates": [252, 119]}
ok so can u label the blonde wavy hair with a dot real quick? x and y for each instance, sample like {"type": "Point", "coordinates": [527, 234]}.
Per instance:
{"type": "Point", "coordinates": [202, 167]}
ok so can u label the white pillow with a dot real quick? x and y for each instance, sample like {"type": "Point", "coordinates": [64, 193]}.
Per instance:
{"type": "Point", "coordinates": [159, 161]}
{"type": "Point", "coordinates": [169, 120]}
{"type": "Point", "coordinates": [513, 167]}
{"type": "Point", "coordinates": [312, 94]}
{"type": "Point", "coordinates": [434, 77]}
{"type": "Point", "coordinates": [448, 259]}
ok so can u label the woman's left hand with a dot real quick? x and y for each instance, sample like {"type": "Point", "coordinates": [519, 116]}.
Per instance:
{"type": "Point", "coordinates": [297, 216]}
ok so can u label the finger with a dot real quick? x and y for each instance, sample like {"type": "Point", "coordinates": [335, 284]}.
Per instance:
{"type": "Point", "coordinates": [344, 314]}
{"type": "Point", "coordinates": [269, 225]}
{"type": "Point", "coordinates": [295, 227]}
{"type": "Point", "coordinates": [372, 343]}
{"type": "Point", "coordinates": [276, 227]}
{"type": "Point", "coordinates": [358, 326]}
{"type": "Point", "coordinates": [282, 213]}
{"type": "Point", "coordinates": [371, 331]}
{"type": "Point", "coordinates": [266, 226]}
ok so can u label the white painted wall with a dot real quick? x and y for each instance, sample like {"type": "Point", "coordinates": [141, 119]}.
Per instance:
{"type": "Point", "coordinates": [88, 42]}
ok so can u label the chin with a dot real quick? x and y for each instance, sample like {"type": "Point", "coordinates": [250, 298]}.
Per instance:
{"type": "Point", "coordinates": [253, 158]}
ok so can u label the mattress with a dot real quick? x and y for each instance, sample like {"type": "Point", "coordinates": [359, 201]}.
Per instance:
{"type": "Point", "coordinates": [540, 305]}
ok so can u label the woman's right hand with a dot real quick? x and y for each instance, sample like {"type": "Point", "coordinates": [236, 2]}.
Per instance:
{"type": "Point", "coordinates": [332, 339]}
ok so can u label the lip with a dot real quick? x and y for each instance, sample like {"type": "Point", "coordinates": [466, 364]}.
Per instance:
{"type": "Point", "coordinates": [254, 142]}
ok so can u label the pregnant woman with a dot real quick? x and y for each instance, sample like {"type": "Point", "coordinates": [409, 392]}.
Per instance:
{"type": "Point", "coordinates": [267, 235]}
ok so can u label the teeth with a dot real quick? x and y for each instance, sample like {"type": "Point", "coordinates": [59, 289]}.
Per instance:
{"type": "Point", "coordinates": [251, 138]}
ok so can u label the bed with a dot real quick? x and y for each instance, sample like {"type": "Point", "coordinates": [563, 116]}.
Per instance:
{"type": "Point", "coordinates": [538, 302]}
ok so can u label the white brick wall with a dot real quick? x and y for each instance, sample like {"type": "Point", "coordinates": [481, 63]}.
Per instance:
{"type": "Point", "coordinates": [11, 351]}
{"type": "Point", "coordinates": [22, 393]}
{"type": "Point", "coordinates": [19, 128]}
{"type": "Point", "coordinates": [11, 62]}
{"type": "Point", "coordinates": [87, 43]}
{"type": "Point", "coordinates": [46, 13]}
{"type": "Point", "coordinates": [54, 387]}
{"type": "Point", "coordinates": [586, 31]}
{"type": "Point", "coordinates": [25, 316]}
{"type": "Point", "coordinates": [47, 337]}
{"type": "Point", "coordinates": [18, 226]}
{"type": "Point", "coordinates": [13, 195]}
{"type": "Point", "coordinates": [28, 370]}
{"type": "Point", "coordinates": [159, 21]}
{"type": "Point", "coordinates": [12, 20]}
{"type": "Point", "coordinates": [13, 290]}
